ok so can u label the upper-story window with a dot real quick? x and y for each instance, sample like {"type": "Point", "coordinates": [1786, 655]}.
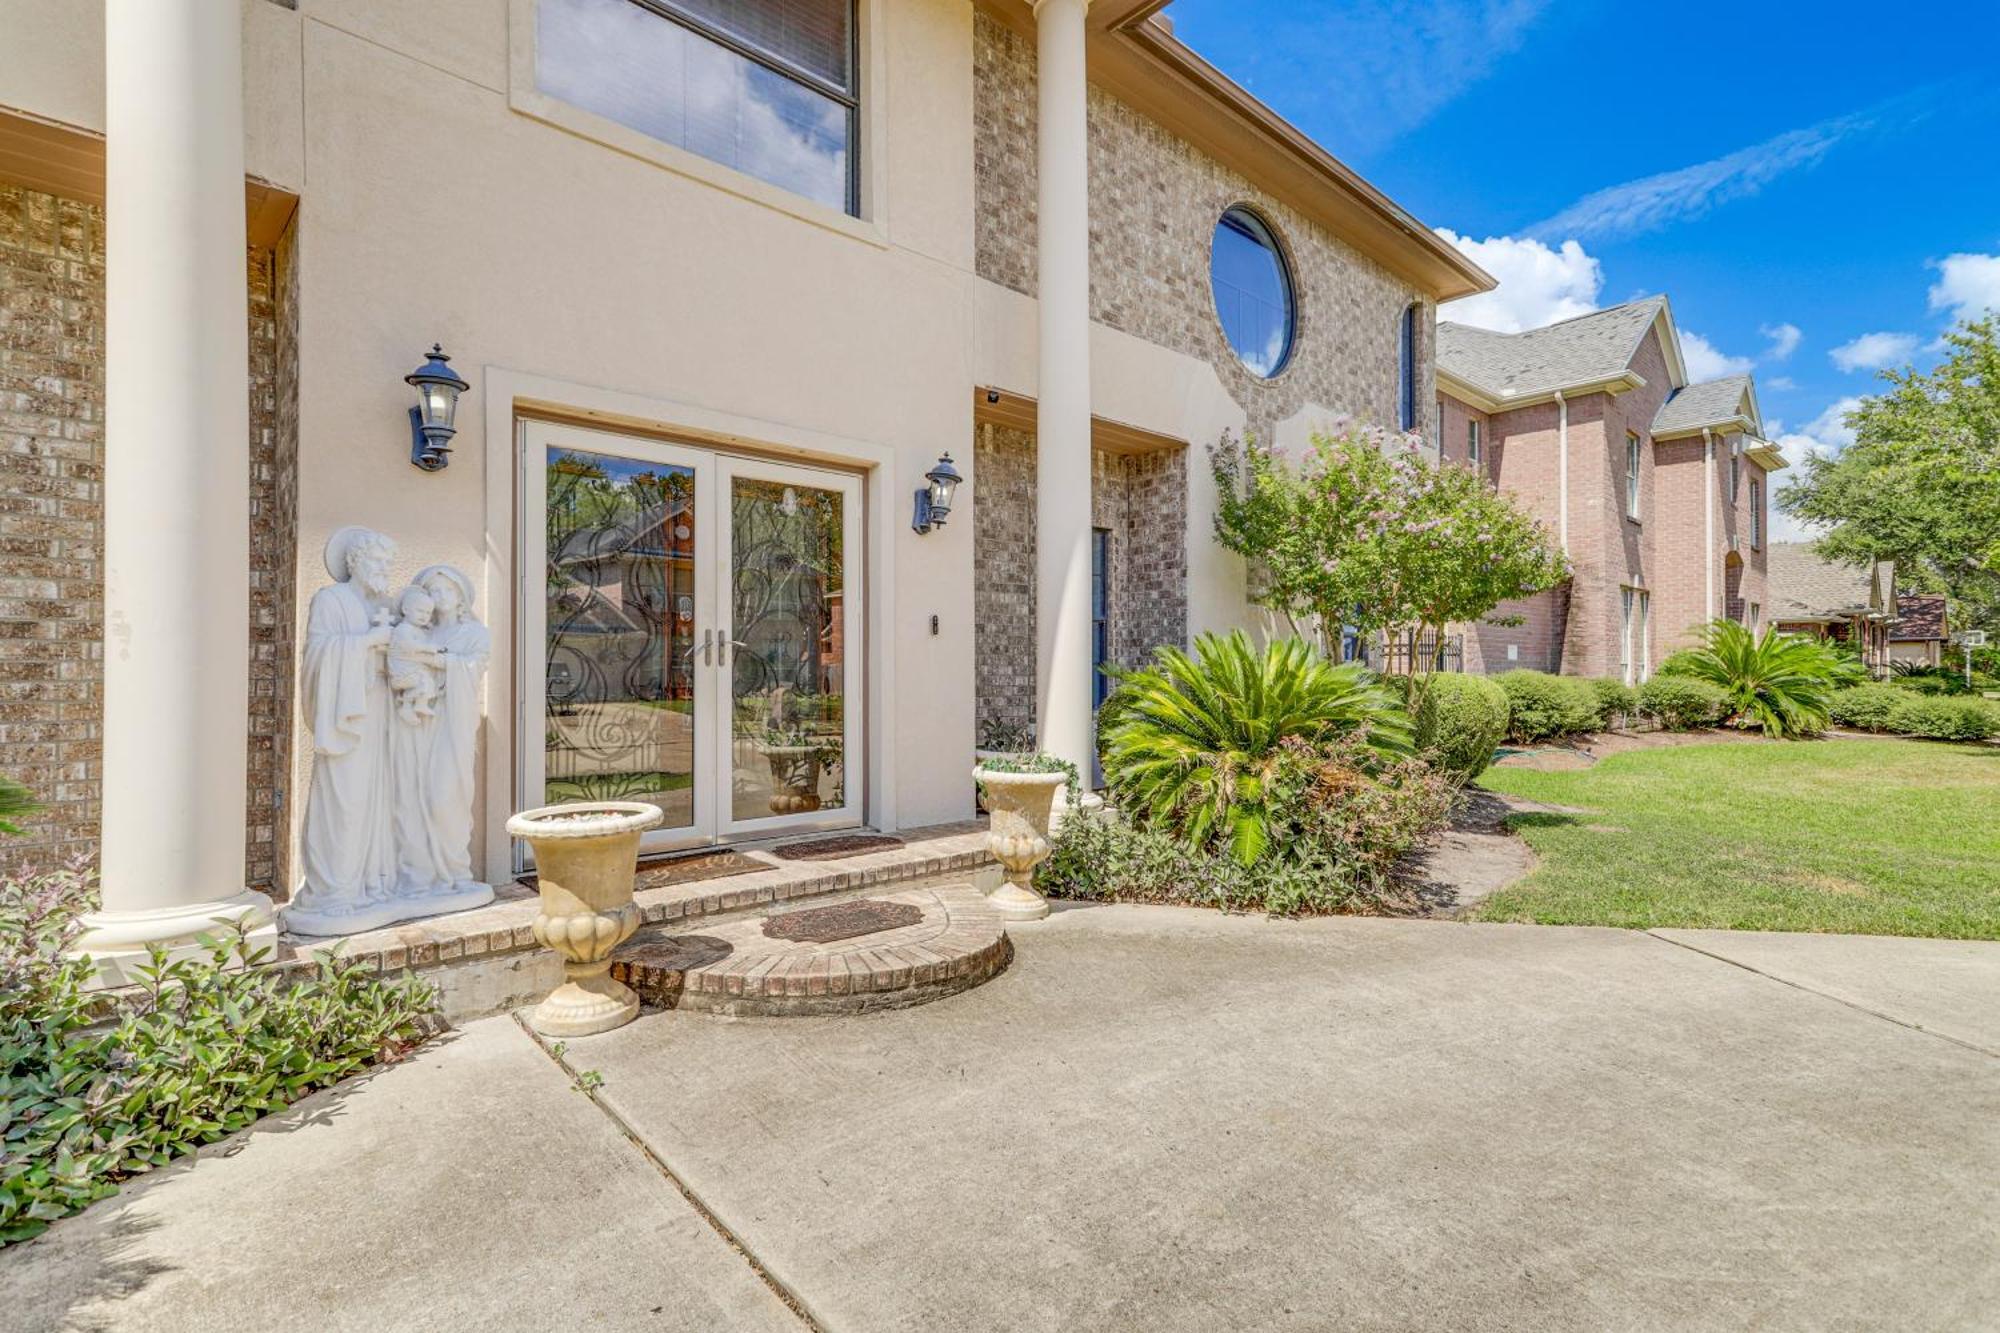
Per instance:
{"type": "Point", "coordinates": [1252, 286]}
{"type": "Point", "coordinates": [1634, 456]}
{"type": "Point", "coordinates": [767, 87]}
{"type": "Point", "coordinates": [1756, 514]}
{"type": "Point", "coordinates": [1474, 446]}
{"type": "Point", "coordinates": [1735, 473]}
{"type": "Point", "coordinates": [1406, 368]}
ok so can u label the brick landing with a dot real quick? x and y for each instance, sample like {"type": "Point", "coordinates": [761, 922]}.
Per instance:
{"type": "Point", "coordinates": [736, 968]}
{"type": "Point", "coordinates": [486, 960]}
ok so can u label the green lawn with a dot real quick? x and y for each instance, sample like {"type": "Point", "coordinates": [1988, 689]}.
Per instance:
{"type": "Point", "coordinates": [1863, 837]}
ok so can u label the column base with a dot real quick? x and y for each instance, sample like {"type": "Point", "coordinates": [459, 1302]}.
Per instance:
{"type": "Point", "coordinates": [118, 942]}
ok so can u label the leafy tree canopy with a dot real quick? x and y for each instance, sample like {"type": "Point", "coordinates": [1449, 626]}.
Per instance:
{"type": "Point", "coordinates": [1920, 485]}
{"type": "Point", "coordinates": [1364, 531]}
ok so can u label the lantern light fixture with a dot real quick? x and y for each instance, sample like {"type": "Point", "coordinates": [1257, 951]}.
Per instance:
{"type": "Point", "coordinates": [934, 498]}
{"type": "Point", "coordinates": [438, 387]}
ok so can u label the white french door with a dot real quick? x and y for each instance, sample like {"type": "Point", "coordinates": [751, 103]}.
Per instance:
{"type": "Point", "coordinates": [694, 636]}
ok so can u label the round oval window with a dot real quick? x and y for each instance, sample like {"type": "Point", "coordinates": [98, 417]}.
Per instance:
{"type": "Point", "coordinates": [1253, 291]}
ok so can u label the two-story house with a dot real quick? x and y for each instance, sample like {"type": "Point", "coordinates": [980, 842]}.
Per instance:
{"type": "Point", "coordinates": [1657, 489]}
{"type": "Point", "coordinates": [727, 284]}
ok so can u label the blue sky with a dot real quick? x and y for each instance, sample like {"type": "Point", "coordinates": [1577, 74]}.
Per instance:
{"type": "Point", "coordinates": [1817, 188]}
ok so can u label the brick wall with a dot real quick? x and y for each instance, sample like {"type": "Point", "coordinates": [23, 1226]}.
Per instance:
{"type": "Point", "coordinates": [1154, 203]}
{"type": "Point", "coordinates": [52, 532]}
{"type": "Point", "coordinates": [1140, 498]}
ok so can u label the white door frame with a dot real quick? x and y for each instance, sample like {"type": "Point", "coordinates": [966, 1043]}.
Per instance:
{"type": "Point", "coordinates": [508, 397]}
{"type": "Point", "coordinates": [854, 685]}
{"type": "Point", "coordinates": [713, 818]}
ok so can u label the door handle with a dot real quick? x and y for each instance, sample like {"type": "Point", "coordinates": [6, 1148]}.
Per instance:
{"type": "Point", "coordinates": [707, 637]}
{"type": "Point", "coordinates": [722, 647]}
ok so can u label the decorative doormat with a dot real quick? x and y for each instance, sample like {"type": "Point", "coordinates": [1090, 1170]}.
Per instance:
{"type": "Point", "coordinates": [829, 849]}
{"type": "Point", "coordinates": [692, 869]}
{"type": "Point", "coordinates": [841, 921]}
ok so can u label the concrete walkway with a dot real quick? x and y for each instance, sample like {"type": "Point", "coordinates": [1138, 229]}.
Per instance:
{"type": "Point", "coordinates": [1159, 1118]}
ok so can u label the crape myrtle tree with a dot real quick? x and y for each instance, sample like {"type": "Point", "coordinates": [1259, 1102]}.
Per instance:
{"type": "Point", "coordinates": [1362, 531]}
{"type": "Point", "coordinates": [1920, 485]}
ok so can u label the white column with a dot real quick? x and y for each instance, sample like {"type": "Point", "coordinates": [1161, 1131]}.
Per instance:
{"type": "Point", "coordinates": [176, 491]}
{"type": "Point", "coordinates": [1062, 417]}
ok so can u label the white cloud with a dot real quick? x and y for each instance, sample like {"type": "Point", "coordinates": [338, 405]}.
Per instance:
{"type": "Point", "coordinates": [1872, 351]}
{"type": "Point", "coordinates": [1968, 286]}
{"type": "Point", "coordinates": [1707, 362]}
{"type": "Point", "coordinates": [1538, 284]}
{"type": "Point", "coordinates": [1781, 382]}
{"type": "Point", "coordinates": [1823, 437]}
{"type": "Point", "coordinates": [1785, 339]}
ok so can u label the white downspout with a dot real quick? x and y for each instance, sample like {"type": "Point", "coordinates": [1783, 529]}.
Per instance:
{"type": "Point", "coordinates": [1708, 523]}
{"type": "Point", "coordinates": [1562, 469]}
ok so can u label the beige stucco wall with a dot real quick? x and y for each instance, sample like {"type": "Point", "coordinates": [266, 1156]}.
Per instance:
{"type": "Point", "coordinates": [571, 264]}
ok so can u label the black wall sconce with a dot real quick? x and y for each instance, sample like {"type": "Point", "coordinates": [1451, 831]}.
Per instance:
{"type": "Point", "coordinates": [438, 387]}
{"type": "Point", "coordinates": [934, 500]}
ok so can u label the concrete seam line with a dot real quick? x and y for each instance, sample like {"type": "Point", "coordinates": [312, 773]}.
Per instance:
{"type": "Point", "coordinates": [1826, 995]}
{"type": "Point", "coordinates": [791, 1299]}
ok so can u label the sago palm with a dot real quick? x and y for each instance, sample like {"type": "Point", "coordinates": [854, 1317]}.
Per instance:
{"type": "Point", "coordinates": [1779, 682]}
{"type": "Point", "coordinates": [1191, 742]}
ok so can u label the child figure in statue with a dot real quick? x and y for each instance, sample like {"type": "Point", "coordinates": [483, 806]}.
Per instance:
{"type": "Point", "coordinates": [416, 667]}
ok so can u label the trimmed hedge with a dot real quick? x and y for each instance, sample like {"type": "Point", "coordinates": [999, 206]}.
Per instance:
{"type": "Point", "coordinates": [1683, 703]}
{"type": "Point", "coordinates": [1865, 707]}
{"type": "Point", "coordinates": [1459, 721]}
{"type": "Point", "coordinates": [1541, 706]}
{"type": "Point", "coordinates": [1615, 700]}
{"type": "Point", "coordinates": [1942, 718]}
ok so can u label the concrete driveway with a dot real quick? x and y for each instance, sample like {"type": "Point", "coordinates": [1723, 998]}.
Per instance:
{"type": "Point", "coordinates": [1158, 1119]}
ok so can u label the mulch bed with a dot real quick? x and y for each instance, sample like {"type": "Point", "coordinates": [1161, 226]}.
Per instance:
{"type": "Point", "coordinates": [831, 849]}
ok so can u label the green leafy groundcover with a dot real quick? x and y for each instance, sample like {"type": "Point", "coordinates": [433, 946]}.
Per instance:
{"type": "Point", "coordinates": [90, 1097]}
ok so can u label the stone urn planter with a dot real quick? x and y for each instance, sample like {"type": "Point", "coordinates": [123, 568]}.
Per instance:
{"type": "Point", "coordinates": [586, 854]}
{"type": "Point", "coordinates": [1017, 834]}
{"type": "Point", "coordinates": [794, 778]}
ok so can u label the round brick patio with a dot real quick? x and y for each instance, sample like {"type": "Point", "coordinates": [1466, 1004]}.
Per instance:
{"type": "Point", "coordinates": [877, 951]}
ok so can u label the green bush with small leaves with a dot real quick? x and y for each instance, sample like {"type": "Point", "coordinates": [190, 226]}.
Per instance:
{"type": "Point", "coordinates": [1945, 718]}
{"type": "Point", "coordinates": [1616, 701]}
{"type": "Point", "coordinates": [1865, 707]}
{"type": "Point", "coordinates": [94, 1089]}
{"type": "Point", "coordinates": [1460, 719]}
{"type": "Point", "coordinates": [1682, 703]}
{"type": "Point", "coordinates": [1544, 707]}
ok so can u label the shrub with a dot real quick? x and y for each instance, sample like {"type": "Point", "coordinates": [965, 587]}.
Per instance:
{"type": "Point", "coordinates": [1683, 703]}
{"type": "Point", "coordinates": [88, 1098]}
{"type": "Point", "coordinates": [1616, 700]}
{"type": "Point", "coordinates": [1349, 817]}
{"type": "Point", "coordinates": [1864, 707]}
{"type": "Point", "coordinates": [1192, 743]}
{"type": "Point", "coordinates": [1944, 719]}
{"type": "Point", "coordinates": [1541, 706]}
{"type": "Point", "coordinates": [1459, 721]}
{"type": "Point", "coordinates": [1779, 682]}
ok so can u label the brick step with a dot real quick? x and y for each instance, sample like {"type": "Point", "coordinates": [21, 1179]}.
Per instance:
{"type": "Point", "coordinates": [869, 951]}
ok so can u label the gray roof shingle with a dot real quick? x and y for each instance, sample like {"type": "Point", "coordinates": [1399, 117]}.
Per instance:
{"type": "Point", "coordinates": [1805, 587]}
{"type": "Point", "coordinates": [1706, 404]}
{"type": "Point", "coordinates": [1581, 350]}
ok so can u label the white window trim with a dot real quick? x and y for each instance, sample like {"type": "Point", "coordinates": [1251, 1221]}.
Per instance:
{"type": "Point", "coordinates": [871, 137]}
{"type": "Point", "coordinates": [1635, 453]}
{"type": "Point", "coordinates": [1475, 445]}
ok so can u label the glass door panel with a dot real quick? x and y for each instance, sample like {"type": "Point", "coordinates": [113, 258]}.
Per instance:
{"type": "Point", "coordinates": [614, 632]}
{"type": "Point", "coordinates": [792, 638]}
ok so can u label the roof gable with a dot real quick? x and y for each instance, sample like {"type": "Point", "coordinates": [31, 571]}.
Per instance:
{"type": "Point", "coordinates": [1804, 586]}
{"type": "Point", "coordinates": [1584, 351]}
{"type": "Point", "coordinates": [1728, 402]}
{"type": "Point", "coordinates": [1919, 615]}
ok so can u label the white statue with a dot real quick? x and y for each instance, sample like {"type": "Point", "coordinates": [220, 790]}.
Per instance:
{"type": "Point", "coordinates": [388, 823]}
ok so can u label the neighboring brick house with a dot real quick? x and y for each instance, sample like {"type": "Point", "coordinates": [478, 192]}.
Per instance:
{"type": "Point", "coordinates": [1920, 630]}
{"type": "Point", "coordinates": [1657, 489]}
{"type": "Point", "coordinates": [1853, 604]}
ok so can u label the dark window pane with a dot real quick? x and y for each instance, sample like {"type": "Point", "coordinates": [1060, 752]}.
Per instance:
{"type": "Point", "coordinates": [1253, 292]}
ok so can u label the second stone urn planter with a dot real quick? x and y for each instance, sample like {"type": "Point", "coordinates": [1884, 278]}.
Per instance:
{"type": "Point", "coordinates": [1017, 834]}
{"type": "Point", "coordinates": [586, 855]}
